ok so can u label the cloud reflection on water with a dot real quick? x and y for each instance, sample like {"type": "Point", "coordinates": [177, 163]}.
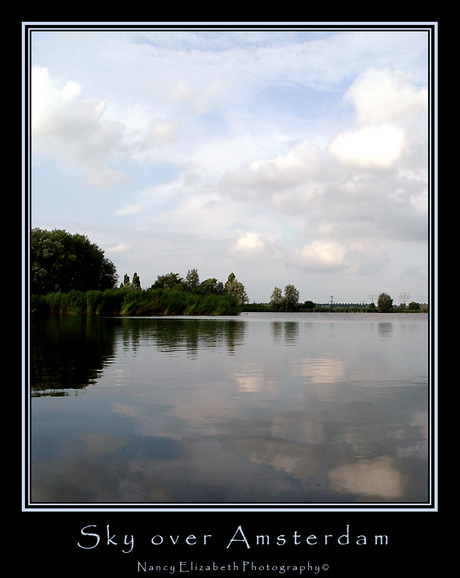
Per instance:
{"type": "Point", "coordinates": [266, 413]}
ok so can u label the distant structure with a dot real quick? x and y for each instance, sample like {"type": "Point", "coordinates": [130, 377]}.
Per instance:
{"type": "Point", "coordinates": [404, 297]}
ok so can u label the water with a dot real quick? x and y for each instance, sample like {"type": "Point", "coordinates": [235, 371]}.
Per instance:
{"type": "Point", "coordinates": [259, 408]}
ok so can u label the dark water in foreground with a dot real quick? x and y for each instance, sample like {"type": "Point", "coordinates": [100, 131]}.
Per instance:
{"type": "Point", "coordinates": [260, 408]}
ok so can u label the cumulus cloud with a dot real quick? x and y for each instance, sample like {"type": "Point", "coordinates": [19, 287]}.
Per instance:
{"type": "Point", "coordinates": [389, 108]}
{"type": "Point", "coordinates": [75, 130]}
{"type": "Point", "coordinates": [320, 255]}
{"type": "Point", "coordinates": [370, 147]}
{"type": "Point", "coordinates": [301, 163]}
{"type": "Point", "coordinates": [252, 245]}
{"type": "Point", "coordinates": [368, 185]}
{"type": "Point", "coordinates": [357, 257]}
{"type": "Point", "coordinates": [387, 96]}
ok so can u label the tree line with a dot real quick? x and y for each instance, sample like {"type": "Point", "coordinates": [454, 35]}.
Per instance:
{"type": "Point", "coordinates": [69, 273]}
{"type": "Point", "coordinates": [191, 283]}
{"type": "Point", "coordinates": [289, 302]}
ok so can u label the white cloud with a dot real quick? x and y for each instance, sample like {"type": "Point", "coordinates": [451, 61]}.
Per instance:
{"type": "Point", "coordinates": [370, 147]}
{"type": "Point", "coordinates": [327, 254]}
{"type": "Point", "coordinates": [356, 257]}
{"type": "Point", "coordinates": [252, 245]}
{"type": "Point", "coordinates": [73, 129]}
{"type": "Point", "coordinates": [162, 131]}
{"type": "Point", "coordinates": [144, 144]}
{"type": "Point", "coordinates": [77, 131]}
{"type": "Point", "coordinates": [387, 96]}
{"type": "Point", "coordinates": [392, 113]}
{"type": "Point", "coordinates": [302, 163]}
{"type": "Point", "coordinates": [120, 248]}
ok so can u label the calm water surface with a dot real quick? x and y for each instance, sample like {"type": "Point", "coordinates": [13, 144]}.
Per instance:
{"type": "Point", "coordinates": [274, 408]}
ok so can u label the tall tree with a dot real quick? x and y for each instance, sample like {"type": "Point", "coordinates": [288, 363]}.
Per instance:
{"type": "Point", "coordinates": [384, 303]}
{"type": "Point", "coordinates": [192, 279]}
{"type": "Point", "coordinates": [235, 287]}
{"type": "Point", "coordinates": [291, 298]}
{"type": "Point", "coordinates": [61, 261]}
{"type": "Point", "coordinates": [136, 283]}
{"type": "Point", "coordinates": [276, 300]}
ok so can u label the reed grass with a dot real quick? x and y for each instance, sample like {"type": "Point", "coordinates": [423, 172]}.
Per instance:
{"type": "Point", "coordinates": [134, 302]}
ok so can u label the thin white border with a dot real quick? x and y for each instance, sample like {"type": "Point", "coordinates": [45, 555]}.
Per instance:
{"type": "Point", "coordinates": [432, 29]}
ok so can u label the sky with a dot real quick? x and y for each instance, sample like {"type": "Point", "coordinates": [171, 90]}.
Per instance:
{"type": "Point", "coordinates": [286, 157]}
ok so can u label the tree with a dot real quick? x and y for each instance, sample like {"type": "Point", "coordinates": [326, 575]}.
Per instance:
{"type": "Point", "coordinates": [276, 300]}
{"type": "Point", "coordinates": [168, 281]}
{"type": "Point", "coordinates": [384, 303]}
{"type": "Point", "coordinates": [291, 298]}
{"type": "Point", "coordinates": [136, 284]}
{"type": "Point", "coordinates": [235, 287]}
{"type": "Point", "coordinates": [61, 262]}
{"type": "Point", "coordinates": [192, 279]}
{"type": "Point", "coordinates": [211, 287]}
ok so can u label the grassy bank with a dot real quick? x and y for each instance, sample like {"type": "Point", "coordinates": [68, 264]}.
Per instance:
{"type": "Point", "coordinates": [134, 302]}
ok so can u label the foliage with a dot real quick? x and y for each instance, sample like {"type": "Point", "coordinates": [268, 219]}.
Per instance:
{"type": "Point", "coordinates": [288, 302]}
{"type": "Point", "coordinates": [192, 284]}
{"type": "Point", "coordinates": [130, 301]}
{"type": "Point", "coordinates": [169, 281]}
{"type": "Point", "coordinates": [291, 297]}
{"type": "Point", "coordinates": [192, 279]}
{"type": "Point", "coordinates": [235, 287]}
{"type": "Point", "coordinates": [384, 303]}
{"type": "Point", "coordinates": [64, 262]}
{"type": "Point", "coordinates": [134, 284]}
{"type": "Point", "coordinates": [276, 300]}
{"type": "Point", "coordinates": [211, 287]}
{"type": "Point", "coordinates": [169, 295]}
